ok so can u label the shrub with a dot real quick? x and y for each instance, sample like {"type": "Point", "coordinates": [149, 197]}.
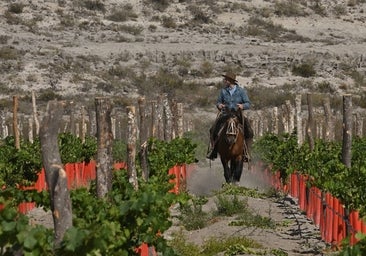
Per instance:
{"type": "Point", "coordinates": [168, 22]}
{"type": "Point", "coordinates": [199, 16]}
{"type": "Point", "coordinates": [93, 5]}
{"type": "Point", "coordinates": [9, 53]}
{"type": "Point", "coordinates": [206, 68]}
{"type": "Point", "coordinates": [123, 13]}
{"type": "Point", "coordinates": [304, 70]}
{"type": "Point", "coordinates": [16, 8]}
{"type": "Point", "coordinates": [160, 5]}
{"type": "Point", "coordinates": [288, 8]}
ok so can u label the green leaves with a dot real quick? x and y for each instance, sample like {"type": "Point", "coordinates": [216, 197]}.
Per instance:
{"type": "Point", "coordinates": [17, 234]}
{"type": "Point", "coordinates": [164, 155]}
{"type": "Point", "coordinates": [279, 151]}
{"type": "Point", "coordinates": [115, 225]}
{"type": "Point", "coordinates": [73, 150]}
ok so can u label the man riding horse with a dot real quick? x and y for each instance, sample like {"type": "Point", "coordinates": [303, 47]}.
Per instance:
{"type": "Point", "coordinates": [231, 97]}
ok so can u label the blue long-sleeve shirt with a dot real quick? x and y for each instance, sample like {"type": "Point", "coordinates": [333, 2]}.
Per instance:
{"type": "Point", "coordinates": [237, 96]}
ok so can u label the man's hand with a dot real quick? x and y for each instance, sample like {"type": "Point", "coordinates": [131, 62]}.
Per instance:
{"type": "Point", "coordinates": [221, 106]}
{"type": "Point", "coordinates": [240, 106]}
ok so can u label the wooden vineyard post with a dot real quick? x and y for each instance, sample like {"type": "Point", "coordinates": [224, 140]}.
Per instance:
{"type": "Point", "coordinates": [131, 146]}
{"type": "Point", "coordinates": [72, 118]}
{"type": "Point", "coordinates": [347, 141]}
{"type": "Point", "coordinates": [179, 120]}
{"type": "Point", "coordinates": [4, 127]}
{"type": "Point", "coordinates": [154, 119]}
{"type": "Point", "coordinates": [15, 122]}
{"type": "Point", "coordinates": [359, 125]}
{"type": "Point", "coordinates": [35, 114]}
{"type": "Point", "coordinates": [104, 173]}
{"type": "Point", "coordinates": [310, 124]}
{"type": "Point", "coordinates": [55, 174]}
{"type": "Point", "coordinates": [83, 124]}
{"type": "Point", "coordinates": [143, 139]}
{"type": "Point", "coordinates": [329, 124]}
{"type": "Point", "coordinates": [275, 120]}
{"type": "Point", "coordinates": [160, 110]}
{"type": "Point", "coordinates": [30, 132]}
{"type": "Point", "coordinates": [300, 138]}
{"type": "Point", "coordinates": [168, 124]}
{"type": "Point", "coordinates": [347, 130]}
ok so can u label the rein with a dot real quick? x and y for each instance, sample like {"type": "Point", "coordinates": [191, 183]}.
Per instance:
{"type": "Point", "coordinates": [232, 129]}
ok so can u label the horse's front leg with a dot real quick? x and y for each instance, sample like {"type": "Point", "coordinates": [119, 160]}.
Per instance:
{"type": "Point", "coordinates": [227, 170]}
{"type": "Point", "coordinates": [237, 169]}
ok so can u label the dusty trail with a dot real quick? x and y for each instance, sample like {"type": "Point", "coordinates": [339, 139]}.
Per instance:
{"type": "Point", "coordinates": [295, 234]}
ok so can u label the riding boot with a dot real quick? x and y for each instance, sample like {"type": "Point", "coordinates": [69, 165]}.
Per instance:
{"type": "Point", "coordinates": [212, 152]}
{"type": "Point", "coordinates": [246, 157]}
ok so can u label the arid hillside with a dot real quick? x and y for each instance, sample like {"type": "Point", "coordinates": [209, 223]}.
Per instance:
{"type": "Point", "coordinates": [125, 48]}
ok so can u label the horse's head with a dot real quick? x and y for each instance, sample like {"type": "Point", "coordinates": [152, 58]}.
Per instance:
{"type": "Point", "coordinates": [232, 127]}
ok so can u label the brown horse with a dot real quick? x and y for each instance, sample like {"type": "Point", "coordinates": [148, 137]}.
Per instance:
{"type": "Point", "coordinates": [231, 146]}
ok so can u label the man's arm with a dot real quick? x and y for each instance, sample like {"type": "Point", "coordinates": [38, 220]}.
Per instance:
{"type": "Point", "coordinates": [220, 100]}
{"type": "Point", "coordinates": [245, 99]}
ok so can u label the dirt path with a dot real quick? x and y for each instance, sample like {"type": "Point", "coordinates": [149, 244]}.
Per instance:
{"type": "Point", "coordinates": [295, 234]}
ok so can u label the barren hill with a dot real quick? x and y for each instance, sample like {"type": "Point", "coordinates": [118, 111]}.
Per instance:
{"type": "Point", "coordinates": [122, 47]}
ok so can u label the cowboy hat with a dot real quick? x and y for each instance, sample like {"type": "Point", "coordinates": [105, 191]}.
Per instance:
{"type": "Point", "coordinates": [230, 76]}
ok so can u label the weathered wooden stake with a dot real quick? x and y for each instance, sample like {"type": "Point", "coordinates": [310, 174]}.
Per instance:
{"type": "Point", "coordinates": [300, 138]}
{"type": "Point", "coordinates": [168, 117]}
{"type": "Point", "coordinates": [30, 131]}
{"type": "Point", "coordinates": [310, 124]}
{"type": "Point", "coordinates": [347, 130]}
{"type": "Point", "coordinates": [143, 139]}
{"type": "Point", "coordinates": [15, 122]}
{"type": "Point", "coordinates": [104, 152]}
{"type": "Point", "coordinates": [131, 146]}
{"type": "Point", "coordinates": [275, 120]}
{"type": "Point", "coordinates": [329, 120]}
{"type": "Point", "coordinates": [160, 118]}
{"type": "Point", "coordinates": [83, 124]}
{"type": "Point", "coordinates": [179, 118]}
{"type": "Point", "coordinates": [154, 119]}
{"type": "Point", "coordinates": [35, 114]}
{"type": "Point", "coordinates": [55, 173]}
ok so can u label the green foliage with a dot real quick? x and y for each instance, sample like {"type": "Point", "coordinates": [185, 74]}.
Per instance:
{"type": "Point", "coordinates": [192, 216]}
{"type": "Point", "coordinates": [231, 246]}
{"type": "Point", "coordinates": [73, 150]}
{"type": "Point", "coordinates": [19, 166]}
{"type": "Point", "coordinates": [164, 155]}
{"type": "Point", "coordinates": [279, 151]}
{"type": "Point", "coordinates": [230, 205]}
{"type": "Point", "coordinates": [123, 221]}
{"type": "Point", "coordinates": [114, 225]}
{"type": "Point", "coordinates": [16, 235]}
{"type": "Point", "coordinates": [119, 151]}
{"type": "Point", "coordinates": [321, 163]}
{"type": "Point", "coordinates": [356, 250]}
{"type": "Point", "coordinates": [229, 189]}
